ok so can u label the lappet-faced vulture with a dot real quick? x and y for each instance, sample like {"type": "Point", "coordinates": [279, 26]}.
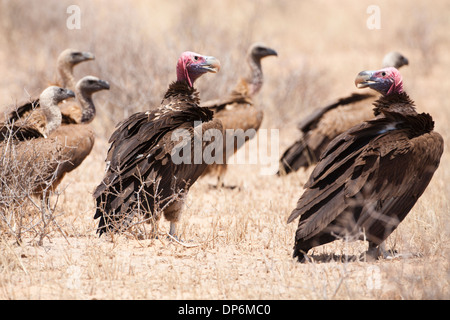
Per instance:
{"type": "Point", "coordinates": [370, 176]}
{"type": "Point", "coordinates": [324, 124]}
{"type": "Point", "coordinates": [142, 177]}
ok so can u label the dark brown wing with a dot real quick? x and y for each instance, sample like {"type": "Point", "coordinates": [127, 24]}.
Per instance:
{"type": "Point", "coordinates": [141, 173]}
{"type": "Point", "coordinates": [322, 126]}
{"type": "Point", "coordinates": [367, 180]}
{"type": "Point", "coordinates": [17, 126]}
{"type": "Point", "coordinates": [22, 110]}
{"type": "Point", "coordinates": [218, 105]}
{"type": "Point", "coordinates": [239, 95]}
{"type": "Point", "coordinates": [18, 132]}
{"type": "Point", "coordinates": [310, 122]}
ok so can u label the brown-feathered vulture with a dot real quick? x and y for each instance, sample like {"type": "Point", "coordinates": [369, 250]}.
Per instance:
{"type": "Point", "coordinates": [75, 134]}
{"type": "Point", "coordinates": [26, 142]}
{"type": "Point", "coordinates": [68, 59]}
{"type": "Point", "coordinates": [237, 111]}
{"type": "Point", "coordinates": [142, 177]}
{"type": "Point", "coordinates": [324, 124]}
{"type": "Point", "coordinates": [40, 122]}
{"type": "Point", "coordinates": [370, 176]}
{"type": "Point", "coordinates": [65, 63]}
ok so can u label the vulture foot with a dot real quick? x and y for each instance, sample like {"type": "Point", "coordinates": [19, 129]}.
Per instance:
{"type": "Point", "coordinates": [379, 252]}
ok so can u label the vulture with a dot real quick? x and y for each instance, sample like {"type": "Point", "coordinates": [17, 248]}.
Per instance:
{"type": "Point", "coordinates": [370, 176]}
{"type": "Point", "coordinates": [142, 177]}
{"type": "Point", "coordinates": [75, 134]}
{"type": "Point", "coordinates": [237, 111]}
{"type": "Point", "coordinates": [324, 124]}
{"type": "Point", "coordinates": [40, 122]}
{"type": "Point", "coordinates": [64, 64]}
{"type": "Point", "coordinates": [27, 142]}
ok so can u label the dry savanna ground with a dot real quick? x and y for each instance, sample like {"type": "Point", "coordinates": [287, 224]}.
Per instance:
{"type": "Point", "coordinates": [237, 243]}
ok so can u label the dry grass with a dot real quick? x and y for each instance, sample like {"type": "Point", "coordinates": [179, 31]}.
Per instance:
{"type": "Point", "coordinates": [240, 245]}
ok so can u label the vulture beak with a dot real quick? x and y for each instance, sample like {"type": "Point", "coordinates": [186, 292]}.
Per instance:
{"type": "Point", "coordinates": [104, 84]}
{"type": "Point", "coordinates": [270, 52]}
{"type": "Point", "coordinates": [365, 79]}
{"type": "Point", "coordinates": [88, 56]}
{"type": "Point", "coordinates": [68, 94]}
{"type": "Point", "coordinates": [210, 64]}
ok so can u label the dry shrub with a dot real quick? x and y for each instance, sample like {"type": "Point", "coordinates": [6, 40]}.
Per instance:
{"type": "Point", "coordinates": [27, 171]}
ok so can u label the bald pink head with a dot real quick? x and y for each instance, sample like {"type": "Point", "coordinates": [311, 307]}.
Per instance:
{"type": "Point", "coordinates": [386, 81]}
{"type": "Point", "coordinates": [192, 65]}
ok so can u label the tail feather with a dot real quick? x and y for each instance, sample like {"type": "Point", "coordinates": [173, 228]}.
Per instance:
{"type": "Point", "coordinates": [295, 157]}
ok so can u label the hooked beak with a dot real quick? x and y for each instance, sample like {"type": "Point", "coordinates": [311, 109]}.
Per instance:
{"type": "Point", "coordinates": [270, 52]}
{"type": "Point", "coordinates": [69, 94]}
{"type": "Point", "coordinates": [211, 64]}
{"type": "Point", "coordinates": [88, 56]}
{"type": "Point", "coordinates": [364, 79]}
{"type": "Point", "coordinates": [104, 84]}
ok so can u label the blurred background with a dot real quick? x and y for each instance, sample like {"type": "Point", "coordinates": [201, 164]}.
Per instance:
{"type": "Point", "coordinates": [322, 45]}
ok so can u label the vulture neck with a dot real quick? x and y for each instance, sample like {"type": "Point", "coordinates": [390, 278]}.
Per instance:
{"type": "Point", "coordinates": [87, 106]}
{"type": "Point", "coordinates": [52, 114]}
{"type": "Point", "coordinates": [181, 91]}
{"type": "Point", "coordinates": [255, 77]}
{"type": "Point", "coordinates": [66, 73]}
{"type": "Point", "coordinates": [395, 102]}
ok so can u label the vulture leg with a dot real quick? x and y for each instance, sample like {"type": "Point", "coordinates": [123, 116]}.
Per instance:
{"type": "Point", "coordinates": [221, 169]}
{"type": "Point", "coordinates": [173, 229]}
{"type": "Point", "coordinates": [380, 252]}
{"type": "Point", "coordinates": [376, 252]}
{"type": "Point", "coordinates": [173, 214]}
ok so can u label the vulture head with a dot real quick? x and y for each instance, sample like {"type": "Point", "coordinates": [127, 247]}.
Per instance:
{"type": "Point", "coordinates": [257, 51]}
{"type": "Point", "coordinates": [90, 84]}
{"type": "Point", "coordinates": [71, 57]}
{"type": "Point", "coordinates": [394, 59]}
{"type": "Point", "coordinates": [54, 95]}
{"type": "Point", "coordinates": [49, 100]}
{"type": "Point", "coordinates": [192, 65]}
{"type": "Point", "coordinates": [85, 88]}
{"type": "Point", "coordinates": [385, 81]}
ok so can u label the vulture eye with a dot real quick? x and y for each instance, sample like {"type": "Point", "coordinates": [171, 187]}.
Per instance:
{"type": "Point", "coordinates": [195, 58]}
{"type": "Point", "coordinates": [383, 73]}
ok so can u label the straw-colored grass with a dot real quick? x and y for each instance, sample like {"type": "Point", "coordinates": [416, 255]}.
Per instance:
{"type": "Point", "coordinates": [237, 243]}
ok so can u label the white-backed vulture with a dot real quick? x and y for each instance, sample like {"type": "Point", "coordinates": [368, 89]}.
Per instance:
{"type": "Point", "coordinates": [75, 134]}
{"type": "Point", "coordinates": [370, 176]}
{"type": "Point", "coordinates": [65, 63]}
{"type": "Point", "coordinates": [83, 110]}
{"type": "Point", "coordinates": [26, 148]}
{"type": "Point", "coordinates": [142, 178]}
{"type": "Point", "coordinates": [324, 124]}
{"type": "Point", "coordinates": [237, 111]}
{"type": "Point", "coordinates": [68, 59]}
{"type": "Point", "coordinates": [40, 122]}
